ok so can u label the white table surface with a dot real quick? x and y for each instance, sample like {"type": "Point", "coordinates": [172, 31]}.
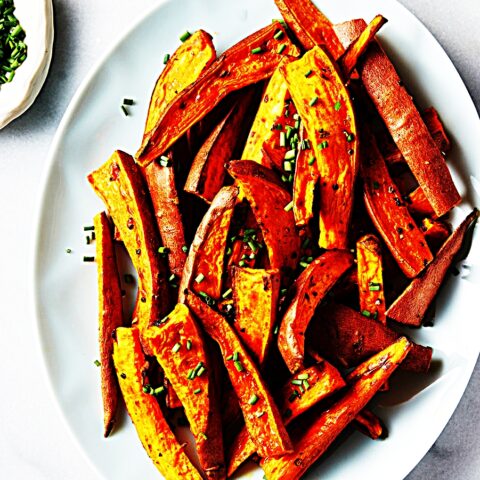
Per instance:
{"type": "Point", "coordinates": [34, 442]}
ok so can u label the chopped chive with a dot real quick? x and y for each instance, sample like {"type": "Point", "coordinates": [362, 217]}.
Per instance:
{"type": "Point", "coordinates": [253, 399]}
{"type": "Point", "coordinates": [293, 396]}
{"type": "Point", "coordinates": [184, 249]}
{"type": "Point", "coordinates": [191, 374]}
{"type": "Point", "coordinates": [287, 166]}
{"type": "Point", "coordinates": [288, 206]}
{"type": "Point", "coordinates": [281, 48]}
{"type": "Point", "coordinates": [189, 345]}
{"type": "Point", "coordinates": [238, 366]}
{"type": "Point", "coordinates": [197, 391]}
{"type": "Point", "coordinates": [323, 145]}
{"type": "Point", "coordinates": [283, 291]}
{"type": "Point", "coordinates": [303, 376]}
{"type": "Point", "coordinates": [230, 357]}
{"type": "Point", "coordinates": [282, 139]}
{"type": "Point", "coordinates": [204, 436]}
{"type": "Point", "coordinates": [337, 106]}
{"type": "Point", "coordinates": [278, 35]}
{"type": "Point", "coordinates": [290, 155]}
{"type": "Point", "coordinates": [176, 347]}
{"type": "Point", "coordinates": [158, 390]}
{"type": "Point", "coordinates": [97, 363]}
{"type": "Point", "coordinates": [201, 371]}
{"type": "Point", "coordinates": [374, 288]}
{"type": "Point", "coordinates": [257, 50]}
{"type": "Point", "coordinates": [350, 137]}
{"type": "Point", "coordinates": [68, 250]}
{"type": "Point", "coordinates": [235, 356]}
{"type": "Point", "coordinates": [366, 313]}
{"type": "Point", "coordinates": [88, 259]}
{"type": "Point", "coordinates": [259, 414]}
{"type": "Point", "coordinates": [128, 101]}
{"type": "Point", "coordinates": [308, 73]}
{"type": "Point", "coordinates": [313, 101]}
{"type": "Point", "coordinates": [241, 263]}
{"type": "Point", "coordinates": [311, 160]}
{"type": "Point", "coordinates": [227, 293]}
{"type": "Point", "coordinates": [125, 110]}
{"type": "Point", "coordinates": [163, 251]}
{"type": "Point", "coordinates": [296, 382]}
{"type": "Point", "coordinates": [185, 36]}
{"type": "Point", "coordinates": [166, 58]}
{"type": "Point", "coordinates": [275, 330]}
{"type": "Point", "coordinates": [199, 278]}
{"type": "Point", "coordinates": [252, 246]}
{"type": "Point", "coordinates": [304, 264]}
{"type": "Point", "coordinates": [306, 385]}
{"type": "Point", "coordinates": [88, 228]}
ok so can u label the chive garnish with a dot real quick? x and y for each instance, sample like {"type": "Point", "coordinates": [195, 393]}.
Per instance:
{"type": "Point", "coordinates": [163, 250]}
{"type": "Point", "coordinates": [303, 376]}
{"type": "Point", "coordinates": [276, 329]}
{"type": "Point", "coordinates": [227, 293]}
{"type": "Point", "coordinates": [185, 36]}
{"type": "Point", "coordinates": [235, 356]}
{"type": "Point", "coordinates": [282, 139]}
{"type": "Point", "coordinates": [199, 278]}
{"type": "Point", "coordinates": [337, 106]}
{"type": "Point", "coordinates": [307, 74]}
{"type": "Point", "coordinates": [257, 50]}
{"type": "Point", "coordinates": [125, 110]}
{"type": "Point", "coordinates": [259, 414]}
{"type": "Point", "coordinates": [201, 371]}
{"type": "Point", "coordinates": [281, 48]}
{"type": "Point", "coordinates": [241, 263]}
{"type": "Point", "coordinates": [238, 366]}
{"type": "Point", "coordinates": [158, 390]}
{"type": "Point", "coordinates": [97, 363]}
{"type": "Point", "coordinates": [176, 347]}
{"type": "Point", "coordinates": [68, 250]}
{"type": "Point", "coordinates": [296, 382]}
{"type": "Point", "coordinates": [191, 374]}
{"type": "Point", "coordinates": [88, 259]}
{"type": "Point", "coordinates": [306, 385]}
{"type": "Point", "coordinates": [128, 101]}
{"type": "Point", "coordinates": [253, 399]}
{"type": "Point", "coordinates": [323, 145]}
{"type": "Point", "coordinates": [290, 155]}
{"type": "Point", "coordinates": [350, 137]}
{"type": "Point", "coordinates": [204, 436]}
{"type": "Point", "coordinates": [366, 313]}
{"type": "Point", "coordinates": [313, 101]}
{"type": "Point", "coordinates": [287, 166]}
{"type": "Point", "coordinates": [184, 249]}
{"type": "Point", "coordinates": [189, 345]}
{"type": "Point", "coordinates": [230, 357]}
{"type": "Point", "coordinates": [311, 160]}
{"type": "Point", "coordinates": [88, 228]}
{"type": "Point", "coordinates": [288, 206]}
{"type": "Point", "coordinates": [278, 35]}
{"type": "Point", "coordinates": [374, 288]}
{"type": "Point", "coordinates": [166, 58]}
{"type": "Point", "coordinates": [197, 391]}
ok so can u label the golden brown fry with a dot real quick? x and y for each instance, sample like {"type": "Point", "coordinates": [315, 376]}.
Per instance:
{"type": "Point", "coordinates": [326, 110]}
{"type": "Point", "coordinates": [110, 315]}
{"type": "Point", "coordinates": [261, 415]}
{"type": "Point", "coordinates": [119, 183]}
{"type": "Point", "coordinates": [178, 345]}
{"type": "Point", "coordinates": [322, 431]}
{"type": "Point", "coordinates": [152, 428]}
{"type": "Point", "coordinates": [309, 290]}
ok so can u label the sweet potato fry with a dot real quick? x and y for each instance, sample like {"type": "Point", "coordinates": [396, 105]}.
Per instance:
{"type": "Point", "coordinates": [390, 215]}
{"type": "Point", "coordinates": [262, 418]}
{"type": "Point", "coordinates": [180, 350]}
{"type": "Point", "coordinates": [309, 290]}
{"type": "Point", "coordinates": [270, 203]}
{"type": "Point", "coordinates": [410, 307]}
{"type": "Point", "coordinates": [418, 204]}
{"type": "Point", "coordinates": [348, 61]}
{"type": "Point", "coordinates": [204, 266]}
{"type": "Point", "coordinates": [310, 25]}
{"type": "Point", "coordinates": [342, 336]}
{"type": "Point", "coordinates": [403, 121]}
{"type": "Point", "coordinates": [163, 192]}
{"type": "Point", "coordinates": [119, 183]}
{"type": "Point", "coordinates": [327, 112]}
{"type": "Point", "coordinates": [110, 316]}
{"type": "Point", "coordinates": [437, 130]}
{"type": "Point", "coordinates": [152, 428]}
{"type": "Point", "coordinates": [370, 425]}
{"type": "Point", "coordinates": [270, 113]}
{"type": "Point", "coordinates": [370, 277]}
{"type": "Point", "coordinates": [436, 232]}
{"type": "Point", "coordinates": [255, 296]}
{"type": "Point", "coordinates": [184, 67]}
{"type": "Point", "coordinates": [320, 433]}
{"type": "Point", "coordinates": [207, 173]}
{"type": "Point", "coordinates": [248, 62]}
{"type": "Point", "coordinates": [317, 383]}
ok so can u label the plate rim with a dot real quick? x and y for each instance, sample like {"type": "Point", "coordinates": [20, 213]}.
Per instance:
{"type": "Point", "coordinates": [39, 211]}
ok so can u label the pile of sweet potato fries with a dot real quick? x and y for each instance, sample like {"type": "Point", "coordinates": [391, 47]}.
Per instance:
{"type": "Point", "coordinates": [287, 200]}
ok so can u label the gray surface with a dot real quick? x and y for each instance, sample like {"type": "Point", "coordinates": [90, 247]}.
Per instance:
{"type": "Point", "coordinates": [33, 441]}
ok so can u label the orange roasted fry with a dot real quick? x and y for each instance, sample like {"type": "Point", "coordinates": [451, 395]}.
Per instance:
{"type": "Point", "coordinates": [153, 430]}
{"type": "Point", "coordinates": [184, 67]}
{"type": "Point", "coordinates": [204, 266]}
{"type": "Point", "coordinates": [325, 428]}
{"type": "Point", "coordinates": [418, 204]}
{"type": "Point", "coordinates": [326, 110]}
{"type": "Point", "coordinates": [271, 205]}
{"type": "Point", "coordinates": [261, 415]}
{"type": "Point", "coordinates": [110, 315]}
{"type": "Point", "coordinates": [370, 277]}
{"type": "Point", "coordinates": [119, 183]}
{"type": "Point", "coordinates": [342, 336]}
{"type": "Point", "coordinates": [308, 291]}
{"type": "Point", "coordinates": [207, 173]}
{"type": "Point", "coordinates": [255, 296]}
{"type": "Point", "coordinates": [302, 392]}
{"type": "Point", "coordinates": [310, 25]}
{"type": "Point", "coordinates": [180, 350]}
{"type": "Point", "coordinates": [404, 122]}
{"type": "Point", "coordinates": [410, 307]}
{"type": "Point", "coordinates": [370, 425]}
{"type": "Point", "coordinates": [251, 60]}
{"type": "Point", "coordinates": [436, 232]}
{"type": "Point", "coordinates": [389, 214]}
{"type": "Point", "coordinates": [348, 61]}
{"type": "Point", "coordinates": [437, 129]}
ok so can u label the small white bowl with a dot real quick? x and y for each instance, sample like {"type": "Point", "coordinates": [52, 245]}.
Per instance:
{"type": "Point", "coordinates": [36, 18]}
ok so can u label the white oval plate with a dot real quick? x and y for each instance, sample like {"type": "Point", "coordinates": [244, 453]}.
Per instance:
{"type": "Point", "coordinates": [36, 17]}
{"type": "Point", "coordinates": [65, 294]}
